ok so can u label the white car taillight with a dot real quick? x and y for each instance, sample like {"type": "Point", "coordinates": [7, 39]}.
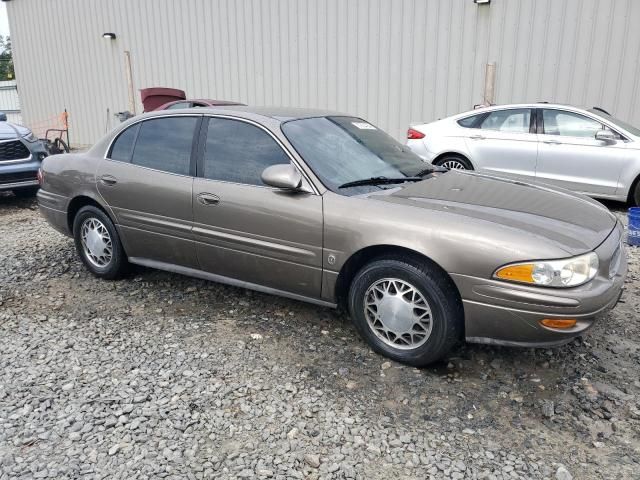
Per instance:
{"type": "Point", "coordinates": [414, 134]}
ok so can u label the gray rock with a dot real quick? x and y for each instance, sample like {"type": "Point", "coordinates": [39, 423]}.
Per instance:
{"type": "Point", "coordinates": [312, 460]}
{"type": "Point", "coordinates": [563, 474]}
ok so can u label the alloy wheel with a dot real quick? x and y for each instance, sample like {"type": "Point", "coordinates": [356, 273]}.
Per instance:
{"type": "Point", "coordinates": [453, 164]}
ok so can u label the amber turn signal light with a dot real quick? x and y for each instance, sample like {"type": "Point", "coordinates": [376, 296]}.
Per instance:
{"type": "Point", "coordinates": [558, 322]}
{"type": "Point", "coordinates": [522, 272]}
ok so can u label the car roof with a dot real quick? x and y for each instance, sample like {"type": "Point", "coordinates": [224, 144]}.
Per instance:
{"type": "Point", "coordinates": [281, 114]}
{"type": "Point", "coordinates": [522, 105]}
{"type": "Point", "coordinates": [284, 114]}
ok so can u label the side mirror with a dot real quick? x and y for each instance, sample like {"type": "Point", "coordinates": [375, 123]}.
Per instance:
{"type": "Point", "coordinates": [606, 136]}
{"type": "Point", "coordinates": [3, 117]}
{"type": "Point", "coordinates": [284, 176]}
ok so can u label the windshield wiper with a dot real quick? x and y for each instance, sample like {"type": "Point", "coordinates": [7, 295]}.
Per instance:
{"type": "Point", "coordinates": [379, 181]}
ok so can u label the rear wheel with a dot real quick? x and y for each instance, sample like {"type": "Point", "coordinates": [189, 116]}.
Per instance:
{"type": "Point", "coordinates": [406, 311]}
{"type": "Point", "coordinates": [98, 243]}
{"type": "Point", "coordinates": [454, 162]}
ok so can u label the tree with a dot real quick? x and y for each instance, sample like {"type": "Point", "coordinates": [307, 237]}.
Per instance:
{"type": "Point", "coordinates": [6, 59]}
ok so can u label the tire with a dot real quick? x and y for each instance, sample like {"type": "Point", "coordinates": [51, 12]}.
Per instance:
{"type": "Point", "coordinates": [60, 146]}
{"type": "Point", "coordinates": [26, 192]}
{"type": "Point", "coordinates": [102, 252]}
{"type": "Point", "coordinates": [454, 162]}
{"type": "Point", "coordinates": [443, 307]}
{"type": "Point", "coordinates": [635, 195]}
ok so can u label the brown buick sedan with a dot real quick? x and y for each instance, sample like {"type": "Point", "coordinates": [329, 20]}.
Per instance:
{"type": "Point", "coordinates": [327, 208]}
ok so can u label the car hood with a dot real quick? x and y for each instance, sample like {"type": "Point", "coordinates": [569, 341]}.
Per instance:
{"type": "Point", "coordinates": [10, 130]}
{"type": "Point", "coordinates": [574, 223]}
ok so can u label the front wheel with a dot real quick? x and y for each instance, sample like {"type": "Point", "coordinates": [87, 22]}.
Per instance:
{"type": "Point", "coordinates": [407, 311]}
{"type": "Point", "coordinates": [98, 243]}
{"type": "Point", "coordinates": [454, 162]}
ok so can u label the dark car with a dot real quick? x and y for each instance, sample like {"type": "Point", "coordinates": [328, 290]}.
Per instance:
{"type": "Point", "coordinates": [163, 98]}
{"type": "Point", "coordinates": [20, 156]}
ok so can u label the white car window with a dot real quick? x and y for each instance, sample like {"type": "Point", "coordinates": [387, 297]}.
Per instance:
{"type": "Point", "coordinates": [569, 124]}
{"type": "Point", "coordinates": [515, 120]}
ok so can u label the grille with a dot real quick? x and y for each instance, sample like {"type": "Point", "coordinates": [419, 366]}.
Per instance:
{"type": "Point", "coordinates": [17, 177]}
{"type": "Point", "coordinates": [14, 150]}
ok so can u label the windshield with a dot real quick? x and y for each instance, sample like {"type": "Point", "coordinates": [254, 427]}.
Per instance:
{"type": "Point", "coordinates": [624, 125]}
{"type": "Point", "coordinates": [346, 149]}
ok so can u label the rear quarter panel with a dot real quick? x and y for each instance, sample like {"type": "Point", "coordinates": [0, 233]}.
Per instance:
{"type": "Point", "coordinates": [444, 136]}
{"type": "Point", "coordinates": [66, 176]}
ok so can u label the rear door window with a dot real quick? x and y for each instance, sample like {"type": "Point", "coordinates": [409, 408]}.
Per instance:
{"type": "Point", "coordinates": [165, 144]}
{"type": "Point", "coordinates": [516, 120]}
{"type": "Point", "coordinates": [239, 152]}
{"type": "Point", "coordinates": [123, 146]}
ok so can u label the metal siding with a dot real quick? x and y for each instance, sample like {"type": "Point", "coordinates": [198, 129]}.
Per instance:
{"type": "Point", "coordinates": [391, 61]}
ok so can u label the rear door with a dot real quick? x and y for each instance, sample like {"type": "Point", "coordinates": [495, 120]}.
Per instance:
{"type": "Point", "coordinates": [572, 158]}
{"type": "Point", "coordinates": [244, 229]}
{"type": "Point", "coordinates": [505, 142]}
{"type": "Point", "coordinates": [147, 181]}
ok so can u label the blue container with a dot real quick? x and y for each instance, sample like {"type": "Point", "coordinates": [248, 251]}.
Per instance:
{"type": "Point", "coordinates": [634, 226]}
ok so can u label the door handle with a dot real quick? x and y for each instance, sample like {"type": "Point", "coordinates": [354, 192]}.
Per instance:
{"type": "Point", "coordinates": [208, 199]}
{"type": "Point", "coordinates": [477, 137]}
{"type": "Point", "coordinates": [552, 142]}
{"type": "Point", "coordinates": [108, 180]}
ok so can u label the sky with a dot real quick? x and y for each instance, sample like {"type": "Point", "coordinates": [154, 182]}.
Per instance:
{"type": "Point", "coordinates": [4, 20]}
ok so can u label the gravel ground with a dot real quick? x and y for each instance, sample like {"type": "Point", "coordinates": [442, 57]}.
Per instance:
{"type": "Point", "coordinates": [163, 376]}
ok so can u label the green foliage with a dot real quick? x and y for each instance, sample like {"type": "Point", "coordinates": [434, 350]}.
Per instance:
{"type": "Point", "coordinates": [6, 59]}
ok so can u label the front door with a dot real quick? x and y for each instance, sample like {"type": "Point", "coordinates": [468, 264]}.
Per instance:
{"type": "Point", "coordinates": [248, 231]}
{"type": "Point", "coordinates": [505, 142]}
{"type": "Point", "coordinates": [147, 182]}
{"type": "Point", "coordinates": [571, 157]}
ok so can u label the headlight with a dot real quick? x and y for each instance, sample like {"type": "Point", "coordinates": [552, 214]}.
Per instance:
{"type": "Point", "coordinates": [569, 272]}
{"type": "Point", "coordinates": [30, 137]}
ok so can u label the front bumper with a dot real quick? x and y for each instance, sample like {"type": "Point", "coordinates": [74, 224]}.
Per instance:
{"type": "Point", "coordinates": [19, 175]}
{"type": "Point", "coordinates": [498, 312]}
{"type": "Point", "coordinates": [22, 173]}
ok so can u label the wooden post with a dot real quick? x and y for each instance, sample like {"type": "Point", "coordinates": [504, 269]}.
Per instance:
{"type": "Point", "coordinates": [489, 84]}
{"type": "Point", "coordinates": [127, 71]}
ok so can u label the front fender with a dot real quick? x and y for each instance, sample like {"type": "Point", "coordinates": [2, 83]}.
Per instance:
{"type": "Point", "coordinates": [458, 245]}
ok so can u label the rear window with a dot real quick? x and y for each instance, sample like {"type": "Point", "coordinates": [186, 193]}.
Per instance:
{"type": "Point", "coordinates": [470, 122]}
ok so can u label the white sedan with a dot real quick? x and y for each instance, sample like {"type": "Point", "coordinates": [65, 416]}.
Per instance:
{"type": "Point", "coordinates": [587, 151]}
